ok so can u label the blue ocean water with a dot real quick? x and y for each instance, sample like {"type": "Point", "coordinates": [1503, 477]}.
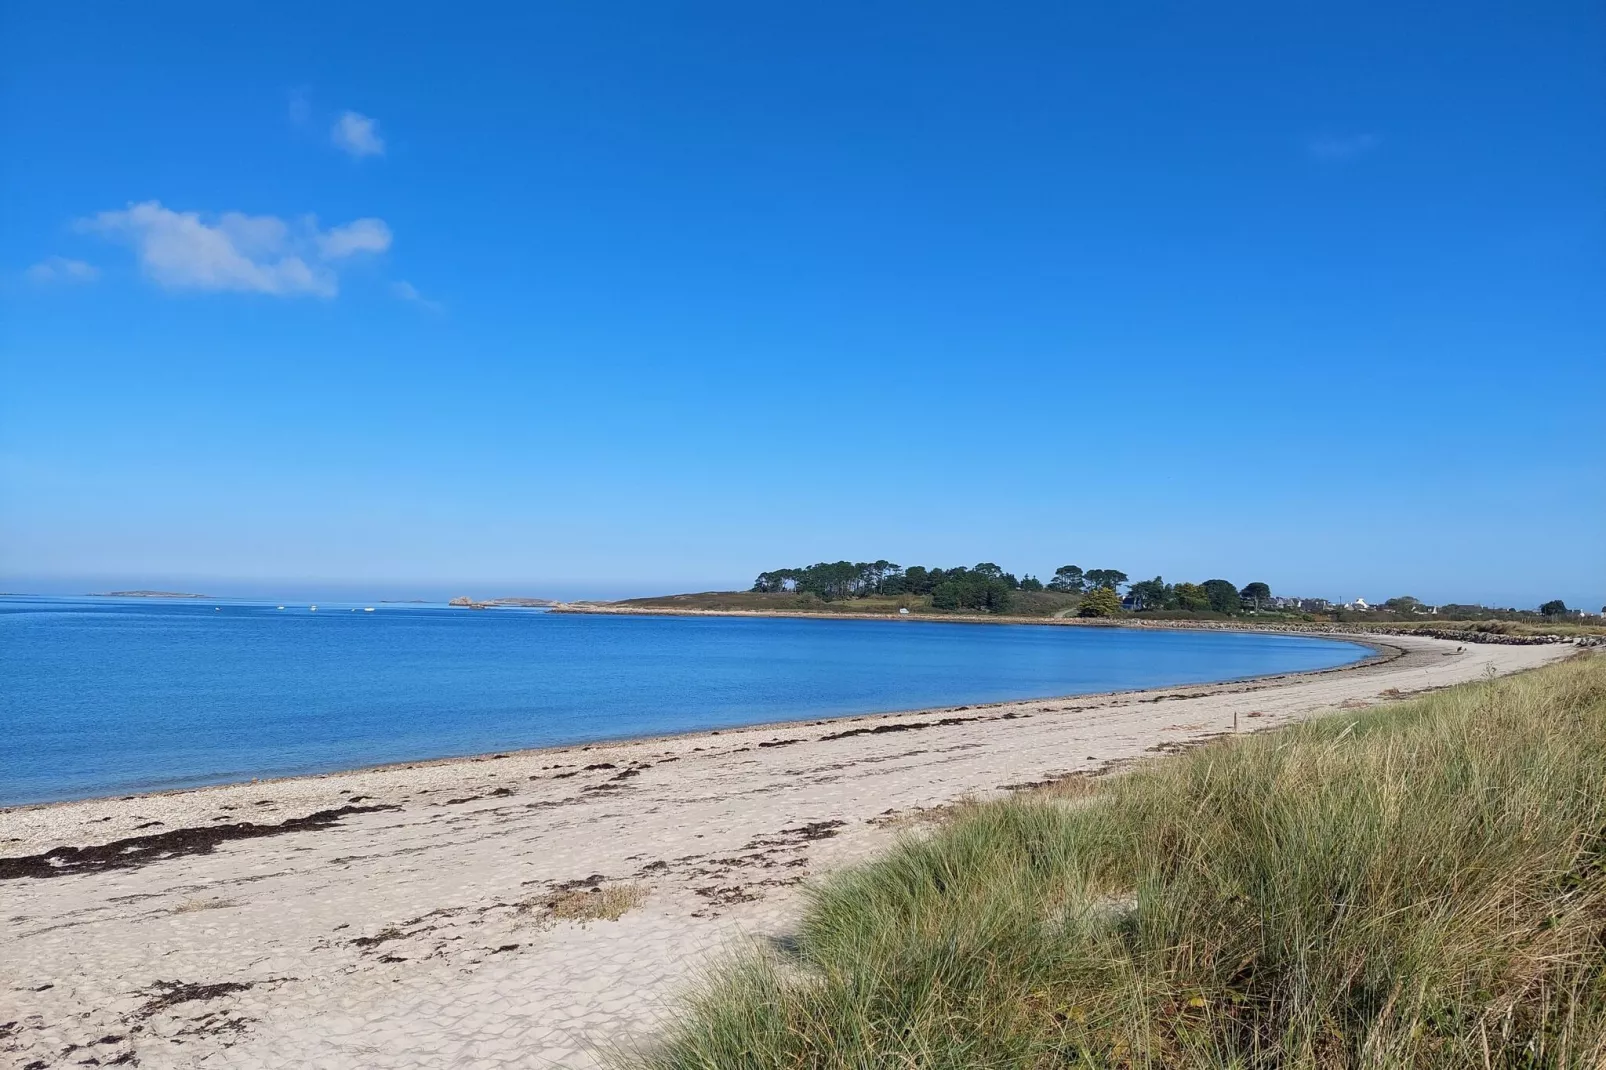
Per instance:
{"type": "Point", "coordinates": [107, 696]}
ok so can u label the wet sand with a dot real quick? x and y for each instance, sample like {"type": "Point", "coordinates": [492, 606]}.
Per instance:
{"type": "Point", "coordinates": [410, 915]}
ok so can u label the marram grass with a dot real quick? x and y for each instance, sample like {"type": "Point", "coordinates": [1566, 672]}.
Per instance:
{"type": "Point", "coordinates": [1421, 885]}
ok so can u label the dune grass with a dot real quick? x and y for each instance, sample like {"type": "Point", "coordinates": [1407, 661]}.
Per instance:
{"type": "Point", "coordinates": [1420, 885]}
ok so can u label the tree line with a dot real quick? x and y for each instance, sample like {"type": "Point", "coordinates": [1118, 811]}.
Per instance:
{"type": "Point", "coordinates": [988, 588]}
{"type": "Point", "coordinates": [985, 586]}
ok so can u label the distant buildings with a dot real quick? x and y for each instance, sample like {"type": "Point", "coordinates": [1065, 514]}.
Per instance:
{"type": "Point", "coordinates": [1300, 605]}
{"type": "Point", "coordinates": [1292, 604]}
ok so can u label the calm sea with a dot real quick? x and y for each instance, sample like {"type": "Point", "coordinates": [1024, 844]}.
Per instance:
{"type": "Point", "coordinates": [105, 696]}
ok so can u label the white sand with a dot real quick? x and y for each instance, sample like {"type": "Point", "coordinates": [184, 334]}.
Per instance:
{"type": "Point", "coordinates": [709, 822]}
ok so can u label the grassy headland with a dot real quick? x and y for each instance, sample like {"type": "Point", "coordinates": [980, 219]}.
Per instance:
{"type": "Point", "coordinates": [1064, 608]}
{"type": "Point", "coordinates": [1418, 885]}
{"type": "Point", "coordinates": [986, 591]}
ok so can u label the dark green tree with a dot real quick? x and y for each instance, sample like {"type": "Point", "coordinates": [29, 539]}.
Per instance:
{"type": "Point", "coordinates": [1108, 578]}
{"type": "Point", "coordinates": [963, 588]}
{"type": "Point", "coordinates": [1068, 578]}
{"type": "Point", "coordinates": [1223, 596]}
{"type": "Point", "coordinates": [779, 580]}
{"type": "Point", "coordinates": [832, 580]}
{"type": "Point", "coordinates": [875, 576]}
{"type": "Point", "coordinates": [1151, 594]}
{"type": "Point", "coordinates": [998, 597]}
{"type": "Point", "coordinates": [1255, 595]}
{"type": "Point", "coordinates": [1554, 608]}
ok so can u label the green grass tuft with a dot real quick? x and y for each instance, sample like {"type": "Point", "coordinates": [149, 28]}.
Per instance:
{"type": "Point", "coordinates": [1421, 885]}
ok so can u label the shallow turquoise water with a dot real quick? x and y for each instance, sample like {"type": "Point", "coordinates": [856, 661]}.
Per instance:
{"type": "Point", "coordinates": [106, 696]}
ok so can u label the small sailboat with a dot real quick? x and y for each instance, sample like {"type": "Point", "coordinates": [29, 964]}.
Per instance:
{"type": "Point", "coordinates": [314, 609]}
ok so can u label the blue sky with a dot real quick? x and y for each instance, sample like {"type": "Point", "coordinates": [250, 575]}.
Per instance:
{"type": "Point", "coordinates": [604, 299]}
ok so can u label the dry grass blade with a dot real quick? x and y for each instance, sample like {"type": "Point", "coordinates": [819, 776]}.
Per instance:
{"type": "Point", "coordinates": [605, 902]}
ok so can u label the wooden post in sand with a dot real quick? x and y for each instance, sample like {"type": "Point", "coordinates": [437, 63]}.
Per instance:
{"type": "Point", "coordinates": [1234, 722]}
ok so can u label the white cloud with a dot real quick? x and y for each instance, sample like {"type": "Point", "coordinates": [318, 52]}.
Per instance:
{"type": "Point", "coordinates": [61, 269]}
{"type": "Point", "coordinates": [358, 135]}
{"type": "Point", "coordinates": [1342, 148]}
{"type": "Point", "coordinates": [358, 236]}
{"type": "Point", "coordinates": [235, 251]}
{"type": "Point", "coordinates": [408, 292]}
{"type": "Point", "coordinates": [239, 252]}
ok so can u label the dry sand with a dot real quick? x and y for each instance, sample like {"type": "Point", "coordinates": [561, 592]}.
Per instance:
{"type": "Point", "coordinates": [421, 933]}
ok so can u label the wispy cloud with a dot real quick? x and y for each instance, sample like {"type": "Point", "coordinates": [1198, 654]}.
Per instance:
{"type": "Point", "coordinates": [62, 269]}
{"type": "Point", "coordinates": [358, 236]}
{"type": "Point", "coordinates": [358, 135]}
{"type": "Point", "coordinates": [408, 292]}
{"type": "Point", "coordinates": [1344, 147]}
{"type": "Point", "coordinates": [235, 251]}
{"type": "Point", "coordinates": [300, 107]}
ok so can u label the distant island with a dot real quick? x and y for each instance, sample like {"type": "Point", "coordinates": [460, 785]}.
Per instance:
{"type": "Point", "coordinates": [148, 594]}
{"type": "Point", "coordinates": [465, 602]}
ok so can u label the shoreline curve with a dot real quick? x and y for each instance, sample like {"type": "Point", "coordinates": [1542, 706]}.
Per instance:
{"type": "Point", "coordinates": [1382, 652]}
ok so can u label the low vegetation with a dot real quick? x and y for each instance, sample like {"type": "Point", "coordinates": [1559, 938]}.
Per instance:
{"type": "Point", "coordinates": [1421, 885]}
{"type": "Point", "coordinates": [1036, 605]}
{"type": "Point", "coordinates": [606, 902]}
{"type": "Point", "coordinates": [1475, 630]}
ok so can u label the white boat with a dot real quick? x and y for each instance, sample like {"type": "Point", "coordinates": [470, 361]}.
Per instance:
{"type": "Point", "coordinates": [314, 609]}
{"type": "Point", "coordinates": [367, 609]}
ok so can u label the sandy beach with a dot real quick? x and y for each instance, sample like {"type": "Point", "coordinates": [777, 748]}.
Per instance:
{"type": "Point", "coordinates": [414, 915]}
